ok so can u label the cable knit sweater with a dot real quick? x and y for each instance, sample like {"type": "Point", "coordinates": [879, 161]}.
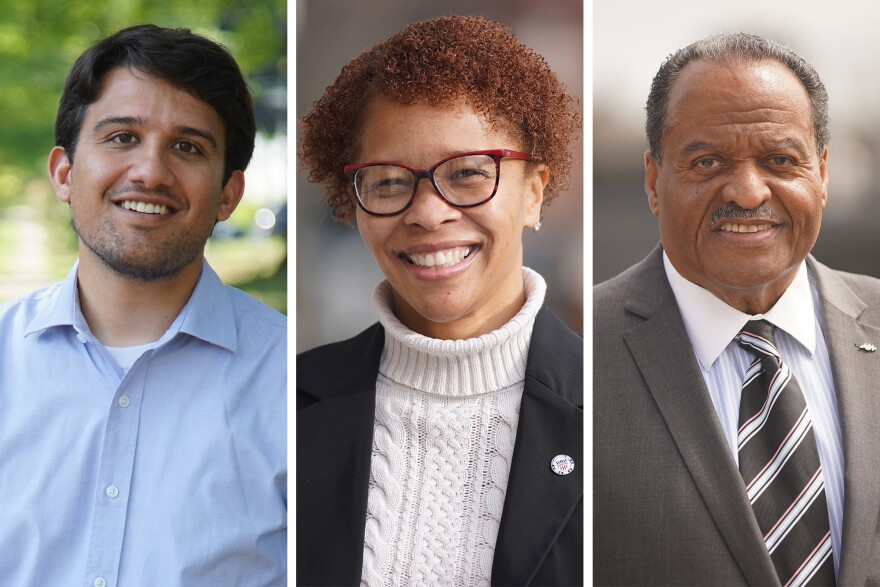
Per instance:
{"type": "Point", "coordinates": [446, 419]}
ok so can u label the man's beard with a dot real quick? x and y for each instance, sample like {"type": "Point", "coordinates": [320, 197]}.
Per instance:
{"type": "Point", "coordinates": [160, 260]}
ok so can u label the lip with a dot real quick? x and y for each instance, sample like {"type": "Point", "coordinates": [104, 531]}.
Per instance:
{"type": "Point", "coordinates": [171, 204]}
{"type": "Point", "coordinates": [752, 230]}
{"type": "Point", "coordinates": [442, 273]}
{"type": "Point", "coordinates": [425, 248]}
{"type": "Point", "coordinates": [156, 201]}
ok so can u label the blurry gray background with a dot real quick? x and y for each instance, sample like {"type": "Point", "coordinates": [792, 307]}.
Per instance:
{"type": "Point", "coordinates": [630, 41]}
{"type": "Point", "coordinates": [335, 273]}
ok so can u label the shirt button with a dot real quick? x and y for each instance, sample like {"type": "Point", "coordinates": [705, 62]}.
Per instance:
{"type": "Point", "coordinates": [100, 582]}
{"type": "Point", "coordinates": [83, 339]}
{"type": "Point", "coordinates": [123, 401]}
{"type": "Point", "coordinates": [112, 491]}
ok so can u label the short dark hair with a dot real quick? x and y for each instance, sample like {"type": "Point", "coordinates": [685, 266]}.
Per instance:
{"type": "Point", "coordinates": [439, 62]}
{"type": "Point", "coordinates": [729, 47]}
{"type": "Point", "coordinates": [193, 63]}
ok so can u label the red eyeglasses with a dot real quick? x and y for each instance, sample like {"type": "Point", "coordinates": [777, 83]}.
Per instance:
{"type": "Point", "coordinates": [463, 180]}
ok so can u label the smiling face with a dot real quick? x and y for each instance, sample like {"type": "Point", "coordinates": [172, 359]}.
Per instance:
{"type": "Point", "coordinates": [144, 185]}
{"type": "Point", "coordinates": [740, 192]}
{"type": "Point", "coordinates": [455, 272]}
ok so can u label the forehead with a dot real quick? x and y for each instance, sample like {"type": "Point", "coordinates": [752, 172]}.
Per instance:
{"type": "Point", "coordinates": [744, 95]}
{"type": "Point", "coordinates": [396, 128]}
{"type": "Point", "coordinates": [133, 93]}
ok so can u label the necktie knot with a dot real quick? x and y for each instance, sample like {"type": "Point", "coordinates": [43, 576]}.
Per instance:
{"type": "Point", "coordinates": [757, 337]}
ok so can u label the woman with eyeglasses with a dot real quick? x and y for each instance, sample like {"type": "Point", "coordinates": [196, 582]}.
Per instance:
{"type": "Point", "coordinates": [443, 445]}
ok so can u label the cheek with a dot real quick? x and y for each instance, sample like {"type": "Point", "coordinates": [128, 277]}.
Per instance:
{"type": "Point", "coordinates": [371, 235]}
{"type": "Point", "coordinates": [686, 206]}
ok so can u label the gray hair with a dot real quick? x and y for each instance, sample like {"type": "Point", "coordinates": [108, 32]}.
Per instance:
{"type": "Point", "coordinates": [725, 48]}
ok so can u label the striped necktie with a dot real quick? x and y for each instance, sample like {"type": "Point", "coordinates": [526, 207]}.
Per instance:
{"type": "Point", "coordinates": [780, 464]}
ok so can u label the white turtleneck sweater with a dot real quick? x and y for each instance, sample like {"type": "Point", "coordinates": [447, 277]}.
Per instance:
{"type": "Point", "coordinates": [446, 419]}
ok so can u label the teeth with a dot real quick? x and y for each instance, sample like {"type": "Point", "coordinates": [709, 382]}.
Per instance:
{"type": "Point", "coordinates": [440, 259]}
{"type": "Point", "coordinates": [730, 227]}
{"type": "Point", "coordinates": [145, 208]}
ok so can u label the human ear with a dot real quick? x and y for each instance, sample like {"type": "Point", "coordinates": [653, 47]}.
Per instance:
{"type": "Point", "coordinates": [231, 195]}
{"type": "Point", "coordinates": [652, 171]}
{"type": "Point", "coordinates": [60, 172]}
{"type": "Point", "coordinates": [823, 173]}
{"type": "Point", "coordinates": [533, 198]}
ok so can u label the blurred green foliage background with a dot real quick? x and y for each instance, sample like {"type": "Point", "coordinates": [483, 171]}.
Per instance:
{"type": "Point", "coordinates": [40, 40]}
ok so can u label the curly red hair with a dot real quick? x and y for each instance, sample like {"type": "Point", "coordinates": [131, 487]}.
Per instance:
{"type": "Point", "coordinates": [440, 62]}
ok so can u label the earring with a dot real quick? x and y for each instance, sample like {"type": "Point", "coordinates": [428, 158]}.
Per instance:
{"type": "Point", "coordinates": [537, 227]}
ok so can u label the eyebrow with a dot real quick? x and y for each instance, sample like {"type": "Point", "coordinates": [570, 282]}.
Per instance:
{"type": "Point", "coordinates": [139, 121]}
{"type": "Point", "coordinates": [788, 143]}
{"type": "Point", "coordinates": [120, 120]}
{"type": "Point", "coordinates": [695, 146]}
{"type": "Point", "coordinates": [793, 144]}
{"type": "Point", "coordinates": [195, 132]}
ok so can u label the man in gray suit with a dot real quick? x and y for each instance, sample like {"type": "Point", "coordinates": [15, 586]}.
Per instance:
{"type": "Point", "coordinates": [737, 177]}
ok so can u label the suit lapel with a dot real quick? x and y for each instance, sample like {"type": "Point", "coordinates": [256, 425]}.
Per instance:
{"type": "Point", "coordinates": [680, 392]}
{"type": "Point", "coordinates": [334, 439]}
{"type": "Point", "coordinates": [539, 503]}
{"type": "Point", "coordinates": [855, 378]}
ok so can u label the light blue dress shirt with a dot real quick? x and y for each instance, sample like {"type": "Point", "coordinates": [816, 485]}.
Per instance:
{"type": "Point", "coordinates": [173, 473]}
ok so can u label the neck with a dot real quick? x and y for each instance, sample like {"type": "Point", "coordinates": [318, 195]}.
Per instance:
{"type": "Point", "coordinates": [753, 301]}
{"type": "Point", "coordinates": [122, 311]}
{"type": "Point", "coordinates": [526, 303]}
{"type": "Point", "coordinates": [468, 326]}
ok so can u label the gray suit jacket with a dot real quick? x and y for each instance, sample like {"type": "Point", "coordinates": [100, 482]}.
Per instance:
{"type": "Point", "coordinates": [670, 507]}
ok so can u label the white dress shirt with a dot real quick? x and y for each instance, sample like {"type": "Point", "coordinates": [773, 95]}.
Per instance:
{"type": "Point", "coordinates": [711, 326]}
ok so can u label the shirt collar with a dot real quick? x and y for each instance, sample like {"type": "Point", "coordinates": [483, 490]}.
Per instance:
{"type": "Point", "coordinates": [207, 315]}
{"type": "Point", "coordinates": [59, 307]}
{"type": "Point", "coordinates": [699, 308]}
{"type": "Point", "coordinates": [211, 316]}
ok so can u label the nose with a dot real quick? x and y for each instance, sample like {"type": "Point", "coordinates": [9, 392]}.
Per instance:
{"type": "Point", "coordinates": [429, 210]}
{"type": "Point", "coordinates": [746, 185]}
{"type": "Point", "coordinates": [150, 167]}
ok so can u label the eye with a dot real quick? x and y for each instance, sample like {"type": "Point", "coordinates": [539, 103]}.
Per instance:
{"type": "Point", "coordinates": [467, 171]}
{"type": "Point", "coordinates": [383, 181]}
{"type": "Point", "coordinates": [123, 138]}
{"type": "Point", "coordinates": [390, 186]}
{"type": "Point", "coordinates": [187, 147]}
{"type": "Point", "coordinates": [708, 163]}
{"type": "Point", "coordinates": [469, 174]}
{"type": "Point", "coordinates": [781, 160]}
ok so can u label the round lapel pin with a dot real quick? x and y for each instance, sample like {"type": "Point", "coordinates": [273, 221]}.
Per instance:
{"type": "Point", "coordinates": [562, 464]}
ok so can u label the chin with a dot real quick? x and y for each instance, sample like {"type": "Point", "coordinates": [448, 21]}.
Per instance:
{"type": "Point", "coordinates": [442, 313]}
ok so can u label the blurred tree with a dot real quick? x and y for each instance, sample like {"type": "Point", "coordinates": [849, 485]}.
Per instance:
{"type": "Point", "coordinates": [40, 39]}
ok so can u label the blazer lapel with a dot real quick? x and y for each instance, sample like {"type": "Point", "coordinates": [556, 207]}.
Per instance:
{"type": "Point", "coordinates": [855, 378]}
{"type": "Point", "coordinates": [334, 439]}
{"type": "Point", "coordinates": [680, 392]}
{"type": "Point", "coordinates": [539, 503]}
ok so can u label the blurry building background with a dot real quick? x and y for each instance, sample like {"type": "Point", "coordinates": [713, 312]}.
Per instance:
{"type": "Point", "coordinates": [40, 40]}
{"type": "Point", "coordinates": [630, 41]}
{"type": "Point", "coordinates": [335, 273]}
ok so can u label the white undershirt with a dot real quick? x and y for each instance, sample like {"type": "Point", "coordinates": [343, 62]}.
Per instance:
{"type": "Point", "coordinates": [711, 325]}
{"type": "Point", "coordinates": [126, 356]}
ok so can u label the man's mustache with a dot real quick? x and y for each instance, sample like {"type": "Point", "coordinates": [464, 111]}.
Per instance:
{"type": "Point", "coordinates": [733, 210]}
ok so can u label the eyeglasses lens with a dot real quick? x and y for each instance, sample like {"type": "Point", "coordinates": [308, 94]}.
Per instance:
{"type": "Point", "coordinates": [466, 180]}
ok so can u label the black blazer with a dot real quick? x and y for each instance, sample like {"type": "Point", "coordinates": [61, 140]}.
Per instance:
{"type": "Point", "coordinates": [540, 540]}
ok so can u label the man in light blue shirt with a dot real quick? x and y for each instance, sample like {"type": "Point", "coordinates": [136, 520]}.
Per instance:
{"type": "Point", "coordinates": [143, 402]}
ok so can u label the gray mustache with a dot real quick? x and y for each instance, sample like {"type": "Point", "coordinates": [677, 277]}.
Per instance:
{"type": "Point", "coordinates": [733, 210]}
